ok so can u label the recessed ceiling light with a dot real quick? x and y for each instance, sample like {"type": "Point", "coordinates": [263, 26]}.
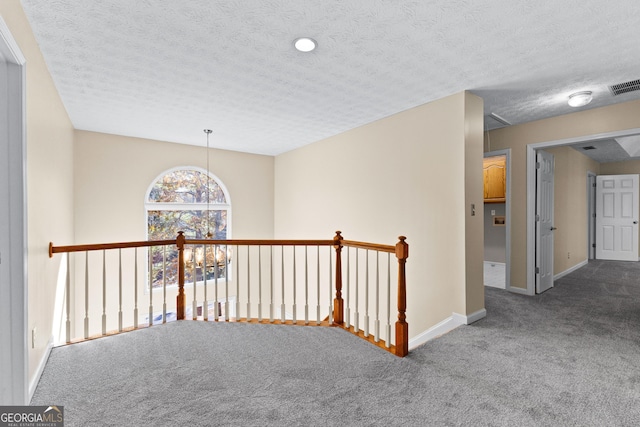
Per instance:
{"type": "Point", "coordinates": [305, 44]}
{"type": "Point", "coordinates": [580, 99]}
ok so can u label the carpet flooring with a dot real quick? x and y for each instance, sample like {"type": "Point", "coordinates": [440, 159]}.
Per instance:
{"type": "Point", "coordinates": [568, 357]}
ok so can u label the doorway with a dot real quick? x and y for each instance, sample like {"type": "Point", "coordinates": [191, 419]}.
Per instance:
{"type": "Point", "coordinates": [531, 196]}
{"type": "Point", "coordinates": [497, 219]}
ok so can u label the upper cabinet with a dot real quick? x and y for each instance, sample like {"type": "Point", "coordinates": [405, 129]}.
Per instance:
{"type": "Point", "coordinates": [495, 179]}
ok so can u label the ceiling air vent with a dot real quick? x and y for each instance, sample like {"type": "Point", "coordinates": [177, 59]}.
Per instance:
{"type": "Point", "coordinates": [621, 88]}
{"type": "Point", "coordinates": [590, 147]}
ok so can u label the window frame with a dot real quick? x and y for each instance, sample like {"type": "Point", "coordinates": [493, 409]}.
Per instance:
{"type": "Point", "coordinates": [169, 206]}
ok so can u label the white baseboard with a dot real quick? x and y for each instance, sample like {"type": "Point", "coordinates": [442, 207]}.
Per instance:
{"type": "Point", "coordinates": [43, 362]}
{"type": "Point", "coordinates": [521, 291]}
{"type": "Point", "coordinates": [447, 325]}
{"type": "Point", "coordinates": [570, 270]}
{"type": "Point", "coordinates": [473, 317]}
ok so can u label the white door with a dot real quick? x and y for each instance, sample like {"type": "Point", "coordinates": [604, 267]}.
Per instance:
{"type": "Point", "coordinates": [544, 221]}
{"type": "Point", "coordinates": [617, 217]}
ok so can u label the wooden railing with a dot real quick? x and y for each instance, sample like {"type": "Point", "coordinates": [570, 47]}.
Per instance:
{"type": "Point", "coordinates": [258, 281]}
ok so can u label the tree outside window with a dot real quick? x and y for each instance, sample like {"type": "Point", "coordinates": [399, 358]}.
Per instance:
{"type": "Point", "coordinates": [195, 202]}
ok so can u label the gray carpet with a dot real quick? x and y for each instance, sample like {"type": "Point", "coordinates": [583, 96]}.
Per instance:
{"type": "Point", "coordinates": [570, 356]}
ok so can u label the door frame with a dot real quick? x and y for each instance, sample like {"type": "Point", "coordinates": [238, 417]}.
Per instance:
{"type": "Point", "coordinates": [531, 194]}
{"type": "Point", "coordinates": [14, 298]}
{"type": "Point", "coordinates": [507, 213]}
{"type": "Point", "coordinates": [591, 215]}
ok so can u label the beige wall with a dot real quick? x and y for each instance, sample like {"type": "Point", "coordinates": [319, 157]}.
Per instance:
{"type": "Point", "coordinates": [570, 207]}
{"type": "Point", "coordinates": [620, 168]}
{"type": "Point", "coordinates": [49, 181]}
{"type": "Point", "coordinates": [581, 124]}
{"type": "Point", "coordinates": [112, 175]}
{"type": "Point", "coordinates": [402, 175]}
{"type": "Point", "coordinates": [474, 197]}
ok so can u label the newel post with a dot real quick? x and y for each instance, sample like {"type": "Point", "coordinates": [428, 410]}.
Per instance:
{"type": "Point", "coordinates": [181, 298]}
{"type": "Point", "coordinates": [402, 328]}
{"type": "Point", "coordinates": [338, 302]}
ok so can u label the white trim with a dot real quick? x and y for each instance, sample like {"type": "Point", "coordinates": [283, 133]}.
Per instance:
{"type": "Point", "coordinates": [591, 211]}
{"type": "Point", "coordinates": [189, 206]}
{"type": "Point", "coordinates": [571, 270]}
{"type": "Point", "coordinates": [43, 362]}
{"type": "Point", "coordinates": [520, 291]}
{"type": "Point", "coordinates": [507, 214]}
{"type": "Point", "coordinates": [531, 190]}
{"type": "Point", "coordinates": [14, 356]}
{"type": "Point", "coordinates": [447, 325]}
{"type": "Point", "coordinates": [471, 318]}
{"type": "Point", "coordinates": [12, 49]}
{"type": "Point", "coordinates": [196, 168]}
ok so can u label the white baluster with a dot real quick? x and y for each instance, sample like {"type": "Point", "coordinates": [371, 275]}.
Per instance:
{"type": "Point", "coordinates": [216, 273]}
{"type": "Point", "coordinates": [259, 283]}
{"type": "Point", "coordinates": [150, 286]}
{"type": "Point", "coordinates": [135, 291]}
{"type": "Point", "coordinates": [330, 285]}
{"type": "Point", "coordinates": [366, 296]}
{"type": "Point", "coordinates": [205, 303]}
{"type": "Point", "coordinates": [282, 306]}
{"type": "Point", "coordinates": [164, 284]}
{"type": "Point", "coordinates": [119, 289]}
{"type": "Point", "coordinates": [377, 322]}
{"type": "Point", "coordinates": [237, 283]}
{"type": "Point", "coordinates": [318, 284]}
{"type": "Point", "coordinates": [271, 284]}
{"type": "Point", "coordinates": [86, 295]}
{"type": "Point", "coordinates": [306, 286]}
{"type": "Point", "coordinates": [68, 298]}
{"type": "Point", "coordinates": [226, 283]}
{"type": "Point", "coordinates": [388, 343]}
{"type": "Point", "coordinates": [295, 313]}
{"type": "Point", "coordinates": [347, 314]}
{"type": "Point", "coordinates": [194, 304]}
{"type": "Point", "coordinates": [104, 293]}
{"type": "Point", "coordinates": [356, 316]}
{"type": "Point", "coordinates": [248, 283]}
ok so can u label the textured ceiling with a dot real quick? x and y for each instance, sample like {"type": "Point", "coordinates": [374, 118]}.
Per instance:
{"type": "Point", "coordinates": [166, 70]}
{"type": "Point", "coordinates": [611, 150]}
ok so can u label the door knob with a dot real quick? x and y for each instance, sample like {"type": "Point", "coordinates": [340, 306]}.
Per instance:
{"type": "Point", "coordinates": [635, 222]}
{"type": "Point", "coordinates": [553, 228]}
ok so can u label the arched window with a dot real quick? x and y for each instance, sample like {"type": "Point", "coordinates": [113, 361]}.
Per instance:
{"type": "Point", "coordinates": [179, 200]}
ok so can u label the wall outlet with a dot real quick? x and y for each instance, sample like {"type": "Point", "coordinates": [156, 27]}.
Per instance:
{"type": "Point", "coordinates": [33, 338]}
{"type": "Point", "coordinates": [493, 212]}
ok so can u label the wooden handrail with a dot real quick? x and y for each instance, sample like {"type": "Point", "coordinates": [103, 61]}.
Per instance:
{"type": "Point", "coordinates": [370, 246]}
{"type": "Point", "coordinates": [105, 246]}
{"type": "Point", "coordinates": [401, 250]}
{"type": "Point", "coordinates": [260, 242]}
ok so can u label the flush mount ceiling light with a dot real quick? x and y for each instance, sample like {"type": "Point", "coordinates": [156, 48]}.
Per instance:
{"type": "Point", "coordinates": [305, 44]}
{"type": "Point", "coordinates": [580, 99]}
